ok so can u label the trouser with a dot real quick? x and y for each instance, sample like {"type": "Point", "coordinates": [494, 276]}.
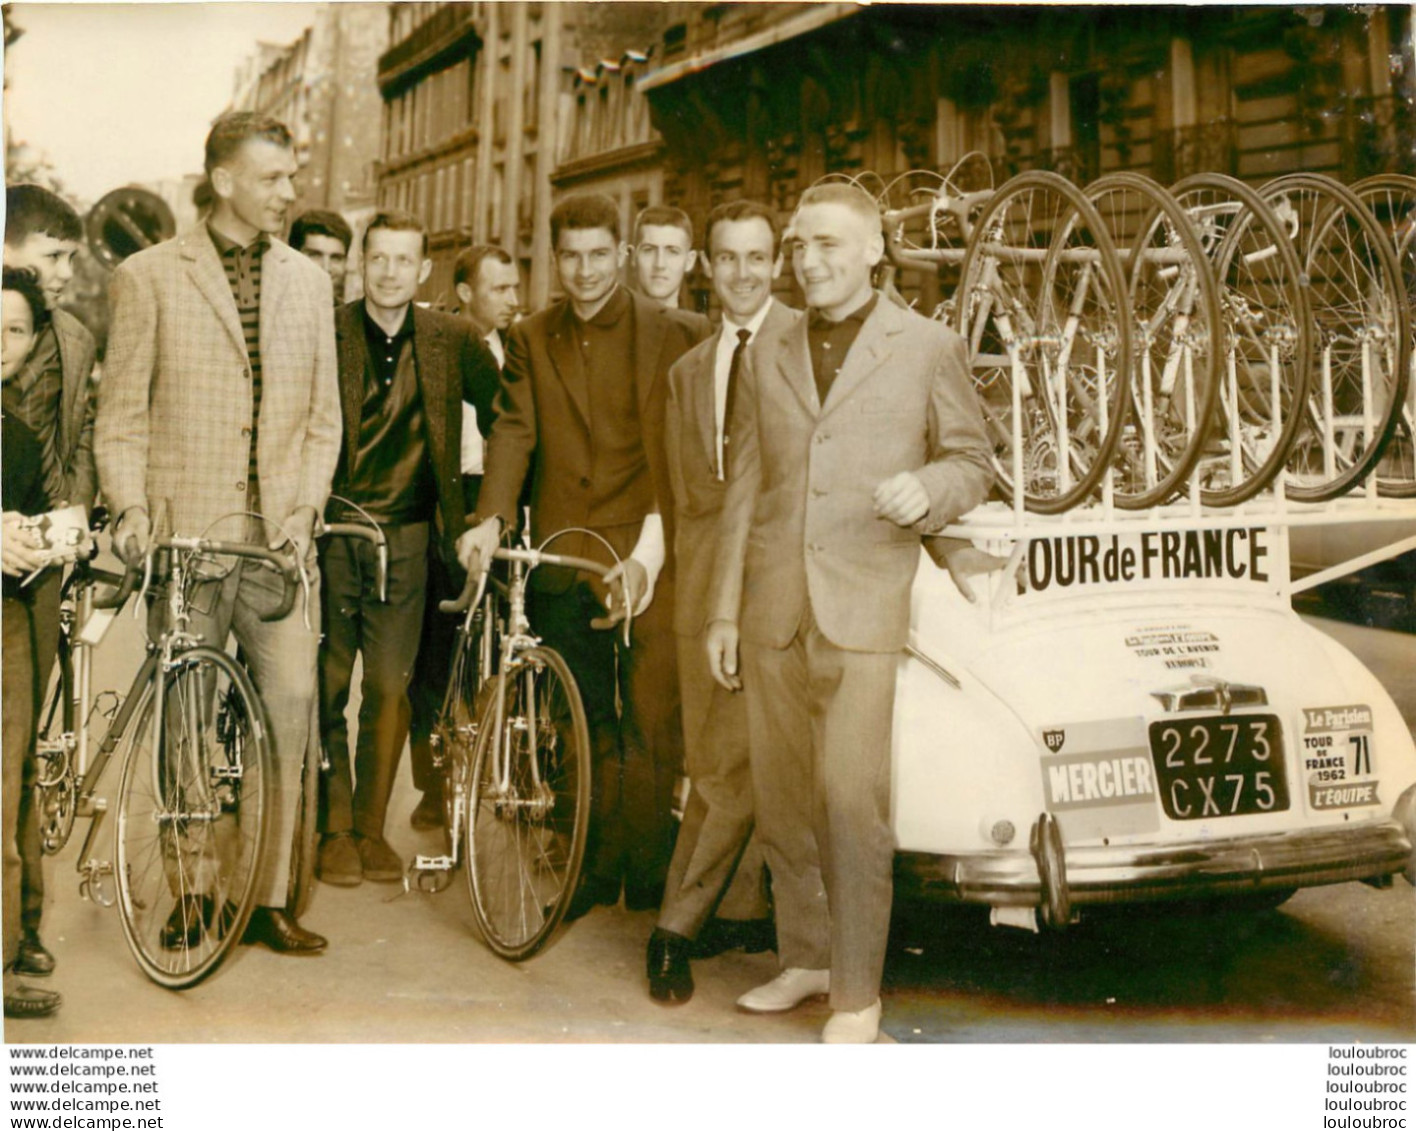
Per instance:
{"type": "Point", "coordinates": [281, 656]}
{"type": "Point", "coordinates": [430, 670]}
{"type": "Point", "coordinates": [636, 736]}
{"type": "Point", "coordinates": [717, 863]}
{"type": "Point", "coordinates": [44, 608]}
{"type": "Point", "coordinates": [820, 721]}
{"type": "Point", "coordinates": [20, 693]}
{"type": "Point", "coordinates": [387, 635]}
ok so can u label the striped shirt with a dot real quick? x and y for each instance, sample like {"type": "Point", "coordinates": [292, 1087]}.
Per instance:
{"type": "Point", "coordinates": [243, 272]}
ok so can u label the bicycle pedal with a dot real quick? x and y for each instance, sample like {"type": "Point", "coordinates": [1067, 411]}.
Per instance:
{"type": "Point", "coordinates": [432, 864]}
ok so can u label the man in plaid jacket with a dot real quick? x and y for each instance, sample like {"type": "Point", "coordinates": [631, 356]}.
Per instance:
{"type": "Point", "coordinates": [220, 396]}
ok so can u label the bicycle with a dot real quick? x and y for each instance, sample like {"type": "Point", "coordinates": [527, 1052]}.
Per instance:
{"type": "Point", "coordinates": [513, 742]}
{"type": "Point", "coordinates": [193, 790]}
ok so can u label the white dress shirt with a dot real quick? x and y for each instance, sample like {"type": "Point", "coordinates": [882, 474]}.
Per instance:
{"type": "Point", "coordinates": [723, 361]}
{"type": "Point", "coordinates": [472, 454]}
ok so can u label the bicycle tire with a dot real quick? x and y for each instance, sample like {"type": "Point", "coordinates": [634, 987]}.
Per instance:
{"type": "Point", "coordinates": [1263, 299]}
{"type": "Point", "coordinates": [457, 728]}
{"type": "Point", "coordinates": [1357, 293]}
{"type": "Point", "coordinates": [524, 852]}
{"type": "Point", "coordinates": [1045, 234]}
{"type": "Point", "coordinates": [55, 787]}
{"type": "Point", "coordinates": [1175, 364]}
{"type": "Point", "coordinates": [1391, 198]}
{"type": "Point", "coordinates": [192, 817]}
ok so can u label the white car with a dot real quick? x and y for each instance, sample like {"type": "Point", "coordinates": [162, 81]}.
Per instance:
{"type": "Point", "coordinates": [1133, 712]}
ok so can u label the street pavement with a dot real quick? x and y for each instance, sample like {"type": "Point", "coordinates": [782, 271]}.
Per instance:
{"type": "Point", "coordinates": [1332, 963]}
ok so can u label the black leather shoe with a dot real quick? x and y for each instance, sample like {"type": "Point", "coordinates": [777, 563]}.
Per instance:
{"type": "Point", "coordinates": [670, 979]}
{"type": "Point", "coordinates": [188, 920]}
{"type": "Point", "coordinates": [272, 927]}
{"type": "Point", "coordinates": [23, 1001]}
{"type": "Point", "coordinates": [594, 891]}
{"type": "Point", "coordinates": [719, 936]}
{"type": "Point", "coordinates": [32, 960]}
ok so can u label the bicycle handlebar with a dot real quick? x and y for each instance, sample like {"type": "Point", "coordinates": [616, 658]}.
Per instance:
{"type": "Point", "coordinates": [142, 570]}
{"type": "Point", "coordinates": [371, 534]}
{"type": "Point", "coordinates": [472, 589]}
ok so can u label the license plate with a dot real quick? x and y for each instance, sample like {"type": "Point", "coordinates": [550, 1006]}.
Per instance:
{"type": "Point", "coordinates": [1226, 766]}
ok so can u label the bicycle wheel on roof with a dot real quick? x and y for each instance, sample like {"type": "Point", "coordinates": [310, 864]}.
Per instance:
{"type": "Point", "coordinates": [1043, 305]}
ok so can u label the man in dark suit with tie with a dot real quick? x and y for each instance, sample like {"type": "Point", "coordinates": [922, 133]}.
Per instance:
{"type": "Point", "coordinates": [717, 866]}
{"type": "Point", "coordinates": [584, 390]}
{"type": "Point", "coordinates": [855, 431]}
{"type": "Point", "coordinates": [403, 375]}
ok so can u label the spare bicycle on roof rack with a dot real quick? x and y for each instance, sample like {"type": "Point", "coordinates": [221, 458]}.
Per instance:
{"type": "Point", "coordinates": [1174, 381]}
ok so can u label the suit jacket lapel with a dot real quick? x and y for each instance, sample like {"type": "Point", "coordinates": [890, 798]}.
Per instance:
{"type": "Point", "coordinates": [204, 266]}
{"type": "Point", "coordinates": [649, 330]}
{"type": "Point", "coordinates": [275, 280]}
{"type": "Point", "coordinates": [871, 348]}
{"type": "Point", "coordinates": [793, 357]}
{"type": "Point", "coordinates": [705, 401]}
{"type": "Point", "coordinates": [565, 359]}
{"type": "Point", "coordinates": [353, 356]}
{"type": "Point", "coordinates": [430, 362]}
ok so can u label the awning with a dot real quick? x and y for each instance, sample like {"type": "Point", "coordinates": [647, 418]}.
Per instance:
{"type": "Point", "coordinates": [818, 17]}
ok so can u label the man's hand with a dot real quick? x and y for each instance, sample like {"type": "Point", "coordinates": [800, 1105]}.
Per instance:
{"type": "Point", "coordinates": [20, 546]}
{"type": "Point", "coordinates": [300, 527]}
{"type": "Point", "coordinates": [627, 582]}
{"type": "Point", "coordinates": [132, 535]}
{"type": "Point", "coordinates": [966, 561]}
{"type": "Point", "coordinates": [476, 547]}
{"type": "Point", "coordinates": [902, 499]}
{"type": "Point", "coordinates": [722, 644]}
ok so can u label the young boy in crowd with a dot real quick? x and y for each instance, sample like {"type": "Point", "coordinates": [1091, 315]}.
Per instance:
{"type": "Point", "coordinates": [51, 394]}
{"type": "Point", "coordinates": [23, 318]}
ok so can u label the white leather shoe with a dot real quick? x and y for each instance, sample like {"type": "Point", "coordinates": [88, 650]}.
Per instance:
{"type": "Point", "coordinates": [786, 991]}
{"type": "Point", "coordinates": [860, 1028]}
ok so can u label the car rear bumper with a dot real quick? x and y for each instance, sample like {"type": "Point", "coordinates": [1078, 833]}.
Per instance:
{"type": "Point", "coordinates": [1125, 874]}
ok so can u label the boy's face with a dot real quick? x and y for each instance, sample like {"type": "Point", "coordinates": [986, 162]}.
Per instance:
{"type": "Point", "coordinates": [742, 265]}
{"type": "Point", "coordinates": [833, 253]}
{"type": "Point", "coordinates": [49, 258]}
{"type": "Point", "coordinates": [394, 267]}
{"type": "Point", "coordinates": [588, 262]}
{"type": "Point", "coordinates": [258, 184]}
{"type": "Point", "coordinates": [661, 259]}
{"type": "Point", "coordinates": [493, 302]}
{"type": "Point", "coordinates": [16, 332]}
{"type": "Point", "coordinates": [329, 254]}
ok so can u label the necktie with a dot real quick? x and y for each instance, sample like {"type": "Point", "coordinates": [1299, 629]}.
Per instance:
{"type": "Point", "coordinates": [734, 366]}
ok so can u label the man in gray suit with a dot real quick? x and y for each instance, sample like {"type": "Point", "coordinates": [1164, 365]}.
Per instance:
{"type": "Point", "coordinates": [855, 431]}
{"type": "Point", "coordinates": [220, 396]}
{"type": "Point", "coordinates": [716, 866]}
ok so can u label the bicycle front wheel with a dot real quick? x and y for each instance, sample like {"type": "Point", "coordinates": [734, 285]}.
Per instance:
{"type": "Point", "coordinates": [55, 785]}
{"type": "Point", "coordinates": [529, 804]}
{"type": "Point", "coordinates": [192, 807]}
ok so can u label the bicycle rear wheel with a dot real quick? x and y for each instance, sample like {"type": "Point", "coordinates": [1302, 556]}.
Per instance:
{"type": "Point", "coordinates": [1391, 198]}
{"type": "Point", "coordinates": [529, 804]}
{"type": "Point", "coordinates": [1362, 327]}
{"type": "Point", "coordinates": [192, 809]}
